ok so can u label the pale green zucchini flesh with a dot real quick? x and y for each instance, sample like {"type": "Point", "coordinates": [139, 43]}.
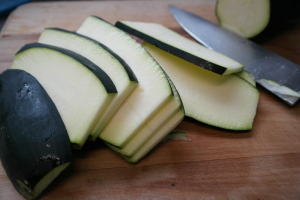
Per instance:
{"type": "Point", "coordinates": [227, 102]}
{"type": "Point", "coordinates": [178, 45]}
{"type": "Point", "coordinates": [152, 92]}
{"type": "Point", "coordinates": [153, 125]}
{"type": "Point", "coordinates": [119, 72]}
{"type": "Point", "coordinates": [280, 90]}
{"type": "Point", "coordinates": [155, 138]}
{"type": "Point", "coordinates": [70, 79]}
{"type": "Point", "coordinates": [243, 17]}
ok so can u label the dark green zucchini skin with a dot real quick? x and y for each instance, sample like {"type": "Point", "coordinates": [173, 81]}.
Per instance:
{"type": "Point", "coordinates": [101, 75]}
{"type": "Point", "coordinates": [173, 50]}
{"type": "Point", "coordinates": [33, 137]}
{"type": "Point", "coordinates": [285, 14]}
{"type": "Point", "coordinates": [127, 68]}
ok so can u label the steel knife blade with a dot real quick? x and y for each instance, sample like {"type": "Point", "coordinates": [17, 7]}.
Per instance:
{"type": "Point", "coordinates": [265, 66]}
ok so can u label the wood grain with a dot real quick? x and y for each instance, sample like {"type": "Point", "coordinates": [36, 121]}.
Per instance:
{"type": "Point", "coordinates": [263, 163]}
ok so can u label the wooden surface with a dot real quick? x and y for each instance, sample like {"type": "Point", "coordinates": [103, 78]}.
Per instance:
{"type": "Point", "coordinates": [263, 163]}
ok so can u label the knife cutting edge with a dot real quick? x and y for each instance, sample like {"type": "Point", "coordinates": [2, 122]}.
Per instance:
{"type": "Point", "coordinates": [275, 73]}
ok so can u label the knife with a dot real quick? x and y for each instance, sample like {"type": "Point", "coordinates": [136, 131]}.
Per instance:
{"type": "Point", "coordinates": [275, 73]}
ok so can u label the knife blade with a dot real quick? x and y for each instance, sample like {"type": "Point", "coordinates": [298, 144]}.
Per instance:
{"type": "Point", "coordinates": [265, 66]}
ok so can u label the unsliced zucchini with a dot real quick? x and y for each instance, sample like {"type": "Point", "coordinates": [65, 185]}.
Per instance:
{"type": "Point", "coordinates": [227, 102]}
{"type": "Point", "coordinates": [244, 17]}
{"type": "Point", "coordinates": [250, 18]}
{"type": "Point", "coordinates": [80, 90]}
{"type": "Point", "coordinates": [176, 136]}
{"type": "Point", "coordinates": [152, 92]}
{"type": "Point", "coordinates": [115, 67]}
{"type": "Point", "coordinates": [174, 43]}
{"type": "Point", "coordinates": [34, 143]}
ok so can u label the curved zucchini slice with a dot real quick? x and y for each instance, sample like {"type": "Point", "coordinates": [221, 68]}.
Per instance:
{"type": "Point", "coordinates": [80, 90]}
{"type": "Point", "coordinates": [155, 138]}
{"type": "Point", "coordinates": [158, 136]}
{"type": "Point", "coordinates": [227, 102]}
{"type": "Point", "coordinates": [174, 43]}
{"type": "Point", "coordinates": [34, 143]}
{"type": "Point", "coordinates": [152, 92]}
{"type": "Point", "coordinates": [115, 67]}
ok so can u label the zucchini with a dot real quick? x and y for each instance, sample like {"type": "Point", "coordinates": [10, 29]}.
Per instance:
{"type": "Point", "coordinates": [80, 90]}
{"type": "Point", "coordinates": [34, 144]}
{"type": "Point", "coordinates": [280, 90]}
{"type": "Point", "coordinates": [174, 43]}
{"type": "Point", "coordinates": [227, 102]}
{"type": "Point", "coordinates": [152, 92]}
{"type": "Point", "coordinates": [256, 18]}
{"type": "Point", "coordinates": [155, 138]}
{"type": "Point", "coordinates": [115, 67]}
{"type": "Point", "coordinates": [154, 125]}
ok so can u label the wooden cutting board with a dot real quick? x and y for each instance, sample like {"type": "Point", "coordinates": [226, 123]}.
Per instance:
{"type": "Point", "coordinates": [263, 163]}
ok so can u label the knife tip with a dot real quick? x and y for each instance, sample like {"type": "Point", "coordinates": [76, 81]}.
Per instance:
{"type": "Point", "coordinates": [171, 8]}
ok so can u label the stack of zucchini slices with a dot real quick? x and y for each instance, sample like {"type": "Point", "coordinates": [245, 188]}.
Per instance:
{"type": "Point", "coordinates": [99, 82]}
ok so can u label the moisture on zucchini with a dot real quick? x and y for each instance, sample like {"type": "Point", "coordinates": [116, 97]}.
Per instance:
{"type": "Point", "coordinates": [115, 67]}
{"type": "Point", "coordinates": [152, 92]}
{"type": "Point", "coordinates": [80, 90]}
{"type": "Point", "coordinates": [227, 102]}
{"type": "Point", "coordinates": [178, 45]}
{"type": "Point", "coordinates": [34, 144]}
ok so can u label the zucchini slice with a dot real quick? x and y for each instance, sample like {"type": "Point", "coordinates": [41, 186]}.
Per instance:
{"type": "Point", "coordinates": [152, 92]}
{"type": "Point", "coordinates": [34, 144]}
{"type": "Point", "coordinates": [227, 102]}
{"type": "Point", "coordinates": [174, 43]}
{"type": "Point", "coordinates": [155, 138]}
{"type": "Point", "coordinates": [115, 67]}
{"type": "Point", "coordinates": [80, 90]}
{"type": "Point", "coordinates": [279, 90]}
{"type": "Point", "coordinates": [153, 125]}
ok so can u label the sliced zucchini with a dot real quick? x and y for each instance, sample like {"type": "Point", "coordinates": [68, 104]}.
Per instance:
{"type": "Point", "coordinates": [174, 43]}
{"type": "Point", "coordinates": [34, 144]}
{"type": "Point", "coordinates": [80, 90]}
{"type": "Point", "coordinates": [152, 92]}
{"type": "Point", "coordinates": [227, 102]}
{"type": "Point", "coordinates": [153, 125]}
{"type": "Point", "coordinates": [115, 67]}
{"type": "Point", "coordinates": [155, 138]}
{"type": "Point", "coordinates": [280, 90]}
